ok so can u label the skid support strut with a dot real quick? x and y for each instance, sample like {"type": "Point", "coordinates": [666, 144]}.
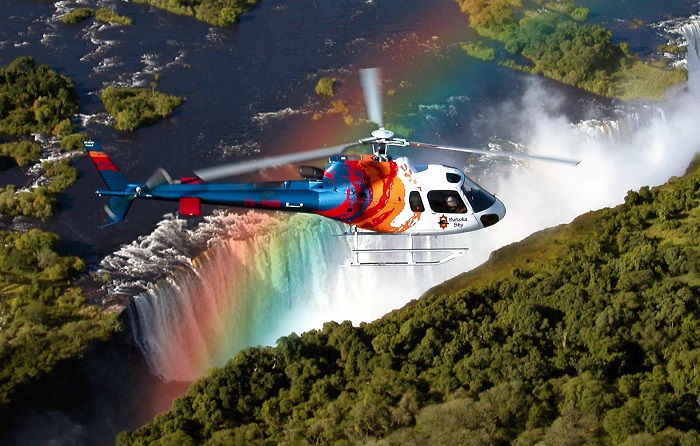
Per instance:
{"type": "Point", "coordinates": [407, 256]}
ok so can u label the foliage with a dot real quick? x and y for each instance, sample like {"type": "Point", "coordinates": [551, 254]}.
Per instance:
{"type": "Point", "coordinates": [568, 7]}
{"type": "Point", "coordinates": [577, 54]}
{"type": "Point", "coordinates": [74, 142]}
{"type": "Point", "coordinates": [479, 50]}
{"type": "Point", "coordinates": [494, 18]}
{"type": "Point", "coordinates": [42, 201]}
{"type": "Point", "coordinates": [582, 334]}
{"type": "Point", "coordinates": [324, 87]}
{"type": "Point", "coordinates": [23, 152]}
{"type": "Point", "coordinates": [101, 14]}
{"type": "Point", "coordinates": [561, 46]}
{"type": "Point", "coordinates": [214, 12]}
{"type": "Point", "coordinates": [34, 99]}
{"type": "Point", "coordinates": [674, 49]}
{"type": "Point", "coordinates": [132, 107]}
{"type": "Point", "coordinates": [63, 128]}
{"type": "Point", "coordinates": [580, 14]}
{"type": "Point", "coordinates": [644, 80]}
{"type": "Point", "coordinates": [43, 317]}
{"type": "Point", "coordinates": [109, 16]}
{"type": "Point", "coordinates": [77, 15]}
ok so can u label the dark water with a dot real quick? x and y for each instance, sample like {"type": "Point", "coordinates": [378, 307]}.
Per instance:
{"type": "Point", "coordinates": [249, 89]}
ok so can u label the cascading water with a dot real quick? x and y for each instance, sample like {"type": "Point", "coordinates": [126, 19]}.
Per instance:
{"type": "Point", "coordinates": [263, 276]}
{"type": "Point", "coordinates": [234, 294]}
{"type": "Point", "coordinates": [691, 33]}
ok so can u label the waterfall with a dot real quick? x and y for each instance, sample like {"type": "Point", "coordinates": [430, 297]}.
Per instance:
{"type": "Point", "coordinates": [261, 277]}
{"type": "Point", "coordinates": [238, 292]}
{"type": "Point", "coordinates": [691, 33]}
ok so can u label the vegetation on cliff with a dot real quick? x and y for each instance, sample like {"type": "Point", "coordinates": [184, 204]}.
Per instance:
{"type": "Point", "coordinates": [41, 201]}
{"type": "Point", "coordinates": [582, 334]}
{"type": "Point", "coordinates": [557, 43]}
{"type": "Point", "coordinates": [43, 317]}
{"type": "Point", "coordinates": [132, 107]}
{"type": "Point", "coordinates": [35, 99]}
{"type": "Point", "coordinates": [214, 12]}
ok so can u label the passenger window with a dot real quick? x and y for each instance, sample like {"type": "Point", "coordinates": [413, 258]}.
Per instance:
{"type": "Point", "coordinates": [416, 202]}
{"type": "Point", "coordinates": [448, 201]}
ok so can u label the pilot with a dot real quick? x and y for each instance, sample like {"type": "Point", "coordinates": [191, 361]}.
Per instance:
{"type": "Point", "coordinates": [453, 205]}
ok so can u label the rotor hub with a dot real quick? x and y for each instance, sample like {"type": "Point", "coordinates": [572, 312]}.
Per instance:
{"type": "Point", "coordinates": [383, 133]}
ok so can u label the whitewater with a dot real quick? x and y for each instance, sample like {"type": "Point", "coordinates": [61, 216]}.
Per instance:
{"type": "Point", "coordinates": [239, 280]}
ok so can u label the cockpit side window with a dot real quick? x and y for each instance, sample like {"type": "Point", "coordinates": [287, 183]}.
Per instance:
{"type": "Point", "coordinates": [416, 202]}
{"type": "Point", "coordinates": [448, 201]}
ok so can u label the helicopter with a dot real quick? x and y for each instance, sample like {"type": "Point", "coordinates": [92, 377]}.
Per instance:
{"type": "Point", "coordinates": [372, 194]}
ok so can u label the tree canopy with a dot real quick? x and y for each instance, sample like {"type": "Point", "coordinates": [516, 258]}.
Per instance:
{"type": "Point", "coordinates": [582, 334]}
{"type": "Point", "coordinates": [558, 43]}
{"type": "Point", "coordinates": [133, 107]}
{"type": "Point", "coordinates": [214, 12]}
{"type": "Point", "coordinates": [43, 316]}
{"type": "Point", "coordinates": [34, 99]}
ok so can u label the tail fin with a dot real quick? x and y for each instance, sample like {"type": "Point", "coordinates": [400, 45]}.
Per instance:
{"type": "Point", "coordinates": [112, 177]}
{"type": "Point", "coordinates": [118, 207]}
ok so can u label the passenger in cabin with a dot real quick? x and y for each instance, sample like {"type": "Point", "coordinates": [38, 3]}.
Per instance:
{"type": "Point", "coordinates": [454, 206]}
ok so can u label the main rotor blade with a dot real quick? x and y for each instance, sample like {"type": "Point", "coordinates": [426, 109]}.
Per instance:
{"type": "Point", "coordinates": [498, 153]}
{"type": "Point", "coordinates": [229, 170]}
{"type": "Point", "coordinates": [369, 79]}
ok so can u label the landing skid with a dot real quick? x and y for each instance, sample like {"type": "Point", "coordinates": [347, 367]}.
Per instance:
{"type": "Point", "coordinates": [408, 256]}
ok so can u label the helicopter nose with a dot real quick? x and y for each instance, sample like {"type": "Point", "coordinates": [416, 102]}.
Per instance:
{"type": "Point", "coordinates": [494, 214]}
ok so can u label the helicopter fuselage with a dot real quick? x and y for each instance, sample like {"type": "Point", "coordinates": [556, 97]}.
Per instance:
{"type": "Point", "coordinates": [386, 196]}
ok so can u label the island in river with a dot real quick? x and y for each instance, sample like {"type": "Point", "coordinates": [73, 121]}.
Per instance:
{"type": "Point", "coordinates": [552, 38]}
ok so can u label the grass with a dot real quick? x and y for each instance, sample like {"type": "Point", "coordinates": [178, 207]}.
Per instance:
{"type": "Point", "coordinates": [641, 80]}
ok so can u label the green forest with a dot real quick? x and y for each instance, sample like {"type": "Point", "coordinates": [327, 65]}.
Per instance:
{"type": "Point", "coordinates": [558, 43]}
{"type": "Point", "coordinates": [34, 98]}
{"type": "Point", "coordinates": [586, 333]}
{"type": "Point", "coordinates": [133, 107]}
{"type": "Point", "coordinates": [214, 12]}
{"type": "Point", "coordinates": [43, 315]}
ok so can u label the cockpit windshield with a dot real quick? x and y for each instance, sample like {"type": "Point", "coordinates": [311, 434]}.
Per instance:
{"type": "Point", "coordinates": [479, 199]}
